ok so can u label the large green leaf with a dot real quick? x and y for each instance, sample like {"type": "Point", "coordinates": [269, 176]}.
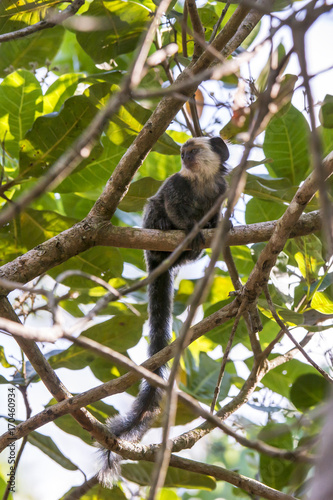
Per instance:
{"type": "Point", "coordinates": [122, 24]}
{"type": "Point", "coordinates": [51, 135]}
{"type": "Point", "coordinates": [261, 211]}
{"type": "Point", "coordinates": [265, 187]}
{"type": "Point", "coordinates": [125, 125]}
{"type": "Point", "coordinates": [37, 226]}
{"type": "Point", "coordinates": [120, 333]}
{"type": "Point", "coordinates": [35, 50]}
{"type": "Point", "coordinates": [287, 143]}
{"type": "Point", "coordinates": [159, 166]}
{"type": "Point", "coordinates": [282, 377]}
{"type": "Point", "coordinates": [20, 104]}
{"type": "Point", "coordinates": [308, 390]}
{"type": "Point", "coordinates": [47, 446]}
{"type": "Point", "coordinates": [31, 228]}
{"type": "Point", "coordinates": [141, 473]}
{"type": "Point", "coordinates": [60, 90]}
{"type": "Point", "coordinates": [243, 259]}
{"type": "Point", "coordinates": [275, 472]}
{"type": "Point", "coordinates": [138, 193]}
{"type": "Point", "coordinates": [95, 175]}
{"type": "Point", "coordinates": [16, 14]}
{"type": "Point", "coordinates": [105, 262]}
{"type": "Point", "coordinates": [202, 378]}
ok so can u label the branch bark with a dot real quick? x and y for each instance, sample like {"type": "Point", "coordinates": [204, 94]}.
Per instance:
{"type": "Point", "coordinates": [92, 232]}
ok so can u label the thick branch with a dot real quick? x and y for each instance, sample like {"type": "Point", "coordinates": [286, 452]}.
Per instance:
{"type": "Point", "coordinates": [91, 232]}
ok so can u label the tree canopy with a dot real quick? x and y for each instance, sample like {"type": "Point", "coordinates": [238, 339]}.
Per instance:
{"type": "Point", "coordinates": [96, 98]}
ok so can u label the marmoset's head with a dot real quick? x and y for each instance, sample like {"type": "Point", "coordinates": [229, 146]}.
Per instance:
{"type": "Point", "coordinates": [205, 155]}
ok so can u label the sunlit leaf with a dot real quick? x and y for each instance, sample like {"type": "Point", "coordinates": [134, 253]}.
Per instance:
{"type": "Point", "coordinates": [59, 91]}
{"type": "Point", "coordinates": [39, 149]}
{"type": "Point", "coordinates": [122, 24]}
{"type": "Point", "coordinates": [16, 14]}
{"type": "Point", "coordinates": [322, 302]}
{"type": "Point", "coordinates": [20, 104]}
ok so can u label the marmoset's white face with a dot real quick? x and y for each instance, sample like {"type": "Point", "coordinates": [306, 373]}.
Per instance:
{"type": "Point", "coordinates": [198, 158]}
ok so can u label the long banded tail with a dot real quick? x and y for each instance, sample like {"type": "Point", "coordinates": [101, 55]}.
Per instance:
{"type": "Point", "coordinates": [145, 407]}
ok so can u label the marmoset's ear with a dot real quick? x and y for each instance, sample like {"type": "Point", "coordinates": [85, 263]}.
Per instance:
{"type": "Point", "coordinates": [219, 147]}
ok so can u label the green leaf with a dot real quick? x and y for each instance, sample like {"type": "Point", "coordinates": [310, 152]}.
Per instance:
{"type": "Point", "coordinates": [282, 377]}
{"type": "Point", "coordinates": [322, 302]}
{"type": "Point", "coordinates": [20, 104]}
{"type": "Point", "coordinates": [243, 259]}
{"type": "Point", "coordinates": [326, 112]}
{"type": "Point", "coordinates": [66, 423]}
{"type": "Point", "coordinates": [261, 211]}
{"type": "Point", "coordinates": [35, 49]}
{"type": "Point", "coordinates": [265, 187]}
{"type": "Point", "coordinates": [126, 124]}
{"type": "Point", "coordinates": [29, 229]}
{"type": "Point", "coordinates": [275, 472]}
{"type": "Point", "coordinates": [327, 140]}
{"type": "Point", "coordinates": [109, 333]}
{"type": "Point", "coordinates": [95, 175]}
{"type": "Point", "coordinates": [121, 23]}
{"type": "Point", "coordinates": [47, 446]}
{"type": "Point", "coordinates": [39, 149]}
{"type": "Point", "coordinates": [3, 359]}
{"type": "Point", "coordinates": [309, 257]}
{"type": "Point", "coordinates": [138, 193]}
{"type": "Point", "coordinates": [159, 166]}
{"type": "Point", "coordinates": [287, 143]}
{"type": "Point", "coordinates": [16, 14]}
{"type": "Point", "coordinates": [37, 226]}
{"type": "Point", "coordinates": [201, 379]}
{"type": "Point", "coordinates": [141, 473]}
{"type": "Point", "coordinates": [60, 90]}
{"type": "Point", "coordinates": [308, 390]}
{"type": "Point", "coordinates": [105, 262]}
{"type": "Point", "coordinates": [277, 55]}
{"type": "Point", "coordinates": [98, 492]}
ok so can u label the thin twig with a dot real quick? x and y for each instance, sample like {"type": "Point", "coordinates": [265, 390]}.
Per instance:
{"type": "Point", "coordinates": [219, 22]}
{"type": "Point", "coordinates": [226, 356]}
{"type": "Point", "coordinates": [198, 29]}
